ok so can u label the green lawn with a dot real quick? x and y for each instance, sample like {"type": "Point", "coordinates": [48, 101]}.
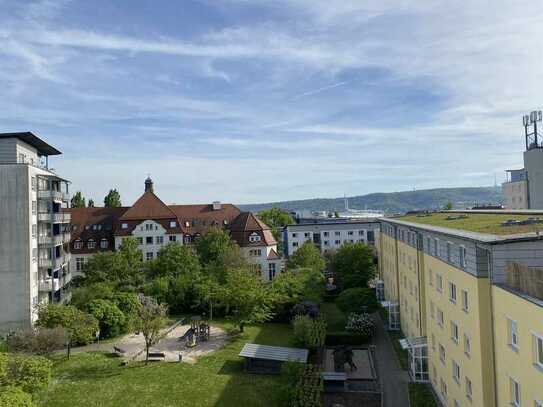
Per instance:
{"type": "Point", "coordinates": [420, 395]}
{"type": "Point", "coordinates": [479, 222]}
{"type": "Point", "coordinates": [97, 379]}
{"type": "Point", "coordinates": [335, 318]}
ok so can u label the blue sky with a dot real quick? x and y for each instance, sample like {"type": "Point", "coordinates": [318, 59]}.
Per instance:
{"type": "Point", "coordinates": [251, 101]}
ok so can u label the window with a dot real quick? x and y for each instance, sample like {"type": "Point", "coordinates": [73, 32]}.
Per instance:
{"type": "Point", "coordinates": [456, 403]}
{"type": "Point", "coordinates": [439, 283]}
{"type": "Point", "coordinates": [337, 233]}
{"type": "Point", "coordinates": [91, 244]}
{"type": "Point", "coordinates": [449, 257]}
{"type": "Point", "coordinates": [148, 226]}
{"type": "Point", "coordinates": [34, 231]}
{"type": "Point", "coordinates": [149, 240]}
{"type": "Point", "coordinates": [538, 351]}
{"type": "Point", "coordinates": [254, 237]}
{"type": "Point", "coordinates": [124, 225]}
{"type": "Point", "coordinates": [173, 238]}
{"type": "Point", "coordinates": [462, 256]}
{"type": "Point", "coordinates": [456, 372]}
{"type": "Point", "coordinates": [271, 271]}
{"type": "Point", "coordinates": [442, 353]}
{"type": "Point", "coordinates": [469, 388]}
{"type": "Point", "coordinates": [34, 207]}
{"type": "Point", "coordinates": [433, 342]}
{"type": "Point", "coordinates": [467, 345]}
{"type": "Point", "coordinates": [512, 333]}
{"type": "Point", "coordinates": [140, 240]}
{"type": "Point", "coordinates": [454, 332]}
{"type": "Point", "coordinates": [452, 292]}
{"type": "Point", "coordinates": [465, 301]}
{"type": "Point", "coordinates": [326, 243]}
{"type": "Point", "coordinates": [514, 387]}
{"type": "Point", "coordinates": [159, 239]}
{"type": "Point", "coordinates": [295, 235]}
{"type": "Point", "coordinates": [33, 183]}
{"type": "Point", "coordinates": [350, 233]}
{"type": "Point", "coordinates": [149, 256]}
{"type": "Point", "coordinates": [78, 244]}
{"type": "Point", "coordinates": [360, 233]}
{"type": "Point", "coordinates": [440, 318]}
{"type": "Point", "coordinates": [79, 262]}
{"type": "Point", "coordinates": [104, 244]}
{"type": "Point", "coordinates": [430, 278]}
{"type": "Point", "coordinates": [294, 244]}
{"type": "Point", "coordinates": [187, 239]}
{"type": "Point", "coordinates": [325, 234]}
{"type": "Point", "coordinates": [338, 242]}
{"type": "Point", "coordinates": [443, 389]}
{"type": "Point", "coordinates": [306, 234]}
{"type": "Point", "coordinates": [34, 254]}
{"type": "Point", "coordinates": [173, 224]}
{"type": "Point", "coordinates": [436, 247]}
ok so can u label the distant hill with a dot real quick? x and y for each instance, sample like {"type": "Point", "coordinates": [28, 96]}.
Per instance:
{"type": "Point", "coordinates": [394, 202]}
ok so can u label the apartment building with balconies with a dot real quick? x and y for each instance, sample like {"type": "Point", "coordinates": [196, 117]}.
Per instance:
{"type": "Point", "coordinates": [35, 232]}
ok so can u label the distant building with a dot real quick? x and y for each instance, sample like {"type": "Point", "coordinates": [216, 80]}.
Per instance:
{"type": "Point", "coordinates": [523, 188]}
{"type": "Point", "coordinates": [329, 235]}
{"type": "Point", "coordinates": [34, 249]}
{"type": "Point", "coordinates": [154, 224]}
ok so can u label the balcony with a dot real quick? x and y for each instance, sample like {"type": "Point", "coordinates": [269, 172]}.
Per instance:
{"type": "Point", "coordinates": [54, 217]}
{"type": "Point", "coordinates": [49, 284]}
{"type": "Point", "coordinates": [54, 195]}
{"type": "Point", "coordinates": [44, 262]}
{"type": "Point", "coordinates": [54, 240]}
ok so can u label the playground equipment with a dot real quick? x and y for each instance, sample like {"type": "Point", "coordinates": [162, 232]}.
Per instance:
{"type": "Point", "coordinates": [198, 331]}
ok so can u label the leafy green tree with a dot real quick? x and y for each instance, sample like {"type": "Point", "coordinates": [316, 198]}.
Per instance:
{"type": "Point", "coordinates": [81, 326]}
{"type": "Point", "coordinates": [307, 256]}
{"type": "Point", "coordinates": [245, 297]}
{"type": "Point", "coordinates": [88, 292]}
{"type": "Point", "coordinates": [111, 319]}
{"type": "Point", "coordinates": [357, 300]}
{"type": "Point", "coordinates": [277, 219]}
{"type": "Point", "coordinates": [174, 260]}
{"type": "Point", "coordinates": [91, 203]}
{"type": "Point", "coordinates": [78, 200]}
{"type": "Point", "coordinates": [353, 265]}
{"type": "Point", "coordinates": [151, 318]}
{"type": "Point", "coordinates": [11, 396]}
{"type": "Point", "coordinates": [112, 199]}
{"type": "Point", "coordinates": [217, 253]}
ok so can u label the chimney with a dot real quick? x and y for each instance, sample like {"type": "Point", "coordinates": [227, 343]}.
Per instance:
{"type": "Point", "coordinates": [217, 205]}
{"type": "Point", "coordinates": [149, 185]}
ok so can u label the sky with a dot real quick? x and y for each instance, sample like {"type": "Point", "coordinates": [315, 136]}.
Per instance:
{"type": "Point", "coordinates": [250, 101]}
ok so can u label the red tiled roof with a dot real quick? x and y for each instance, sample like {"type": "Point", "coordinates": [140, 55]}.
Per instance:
{"type": "Point", "coordinates": [272, 255]}
{"type": "Point", "coordinates": [200, 218]}
{"type": "Point", "coordinates": [148, 206]}
{"type": "Point", "coordinates": [245, 225]}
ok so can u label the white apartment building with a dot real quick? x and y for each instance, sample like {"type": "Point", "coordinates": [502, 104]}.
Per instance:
{"type": "Point", "coordinates": [34, 238]}
{"type": "Point", "coordinates": [329, 235]}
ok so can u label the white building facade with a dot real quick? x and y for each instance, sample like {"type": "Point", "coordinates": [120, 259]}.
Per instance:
{"type": "Point", "coordinates": [34, 238]}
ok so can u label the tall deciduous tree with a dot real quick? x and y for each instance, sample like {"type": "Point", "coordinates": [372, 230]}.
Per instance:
{"type": "Point", "coordinates": [91, 203]}
{"type": "Point", "coordinates": [307, 256]}
{"type": "Point", "coordinates": [174, 260]}
{"type": "Point", "coordinates": [151, 317]}
{"type": "Point", "coordinates": [217, 253]}
{"type": "Point", "coordinates": [353, 265]}
{"type": "Point", "coordinates": [112, 199]}
{"type": "Point", "coordinates": [78, 200]}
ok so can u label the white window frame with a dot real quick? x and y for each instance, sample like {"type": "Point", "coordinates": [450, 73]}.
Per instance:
{"type": "Point", "coordinates": [452, 292]}
{"type": "Point", "coordinates": [538, 350]}
{"type": "Point", "coordinates": [439, 283]}
{"type": "Point", "coordinates": [469, 388]}
{"type": "Point", "coordinates": [440, 318]}
{"type": "Point", "coordinates": [512, 333]}
{"type": "Point", "coordinates": [124, 225]}
{"type": "Point", "coordinates": [455, 332]}
{"type": "Point", "coordinates": [467, 345]}
{"type": "Point", "coordinates": [455, 372]}
{"type": "Point", "coordinates": [462, 256]}
{"type": "Point", "coordinates": [514, 392]}
{"type": "Point", "coordinates": [465, 300]}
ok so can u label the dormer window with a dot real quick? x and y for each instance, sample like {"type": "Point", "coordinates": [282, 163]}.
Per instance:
{"type": "Point", "coordinates": [124, 225]}
{"type": "Point", "coordinates": [254, 237]}
{"type": "Point", "coordinates": [104, 244]}
{"type": "Point", "coordinates": [187, 239]}
{"type": "Point", "coordinates": [187, 224]}
{"type": "Point", "coordinates": [78, 244]}
{"type": "Point", "coordinates": [173, 224]}
{"type": "Point", "coordinates": [91, 244]}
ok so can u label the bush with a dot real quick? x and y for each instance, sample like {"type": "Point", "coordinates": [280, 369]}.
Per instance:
{"type": "Point", "coordinates": [30, 373]}
{"type": "Point", "coordinates": [357, 300]}
{"type": "Point", "coordinates": [41, 341]}
{"type": "Point", "coordinates": [307, 308]}
{"type": "Point", "coordinates": [81, 326]}
{"type": "Point", "coordinates": [308, 332]}
{"type": "Point", "coordinates": [110, 318]}
{"type": "Point", "coordinates": [363, 324]}
{"type": "Point", "coordinates": [12, 396]}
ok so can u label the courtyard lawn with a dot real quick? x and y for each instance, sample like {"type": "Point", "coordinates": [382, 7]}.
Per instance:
{"type": "Point", "coordinates": [97, 379]}
{"type": "Point", "coordinates": [421, 395]}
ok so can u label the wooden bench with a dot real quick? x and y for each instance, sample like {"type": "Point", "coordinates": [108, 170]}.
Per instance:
{"type": "Point", "coordinates": [156, 356]}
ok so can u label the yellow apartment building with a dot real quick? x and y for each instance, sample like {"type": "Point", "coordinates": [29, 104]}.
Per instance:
{"type": "Point", "coordinates": [470, 297]}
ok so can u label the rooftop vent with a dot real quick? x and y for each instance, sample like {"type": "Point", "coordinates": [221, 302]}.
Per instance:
{"type": "Point", "coordinates": [217, 205]}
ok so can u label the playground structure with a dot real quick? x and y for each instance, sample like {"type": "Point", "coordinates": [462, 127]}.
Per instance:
{"type": "Point", "coordinates": [198, 332]}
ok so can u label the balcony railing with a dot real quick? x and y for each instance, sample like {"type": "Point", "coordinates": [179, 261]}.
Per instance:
{"type": "Point", "coordinates": [55, 240]}
{"type": "Point", "coordinates": [44, 262]}
{"type": "Point", "coordinates": [49, 284]}
{"type": "Point", "coordinates": [51, 194]}
{"type": "Point", "coordinates": [54, 217]}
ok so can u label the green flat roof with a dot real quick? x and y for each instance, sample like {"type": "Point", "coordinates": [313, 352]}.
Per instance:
{"type": "Point", "coordinates": [478, 222]}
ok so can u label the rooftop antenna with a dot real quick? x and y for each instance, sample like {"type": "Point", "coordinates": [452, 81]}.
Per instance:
{"type": "Point", "coordinates": [530, 124]}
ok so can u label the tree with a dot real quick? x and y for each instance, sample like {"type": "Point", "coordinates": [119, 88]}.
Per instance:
{"type": "Point", "coordinates": [276, 218]}
{"type": "Point", "coordinates": [353, 265]}
{"type": "Point", "coordinates": [174, 260]}
{"type": "Point", "coordinates": [448, 206]}
{"type": "Point", "coordinates": [217, 253]}
{"type": "Point", "coordinates": [307, 256]}
{"type": "Point", "coordinates": [111, 319]}
{"type": "Point", "coordinates": [151, 318]}
{"type": "Point", "coordinates": [91, 203]}
{"type": "Point", "coordinates": [77, 201]}
{"type": "Point", "coordinates": [357, 300]}
{"type": "Point", "coordinates": [245, 297]}
{"type": "Point", "coordinates": [81, 326]}
{"type": "Point", "coordinates": [112, 199]}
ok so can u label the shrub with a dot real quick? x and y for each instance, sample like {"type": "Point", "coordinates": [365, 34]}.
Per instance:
{"type": "Point", "coordinates": [308, 332]}
{"type": "Point", "coordinates": [81, 326]}
{"type": "Point", "coordinates": [363, 324]}
{"type": "Point", "coordinates": [30, 373]}
{"type": "Point", "coordinates": [357, 300]}
{"type": "Point", "coordinates": [41, 341]}
{"type": "Point", "coordinates": [307, 308]}
{"type": "Point", "coordinates": [111, 319]}
{"type": "Point", "coordinates": [12, 396]}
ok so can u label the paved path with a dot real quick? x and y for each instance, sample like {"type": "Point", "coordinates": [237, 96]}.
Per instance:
{"type": "Point", "coordinates": [394, 380]}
